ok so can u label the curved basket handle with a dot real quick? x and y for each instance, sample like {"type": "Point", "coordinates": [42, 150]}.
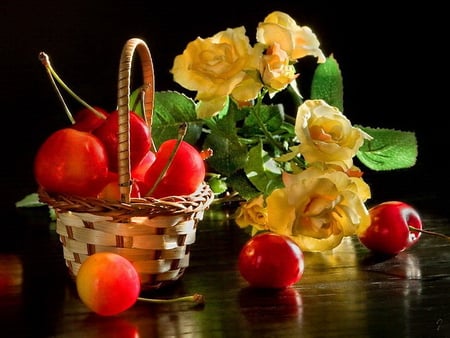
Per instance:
{"type": "Point", "coordinates": [123, 104]}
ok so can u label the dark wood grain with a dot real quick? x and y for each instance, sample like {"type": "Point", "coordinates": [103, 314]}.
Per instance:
{"type": "Point", "coordinates": [347, 293]}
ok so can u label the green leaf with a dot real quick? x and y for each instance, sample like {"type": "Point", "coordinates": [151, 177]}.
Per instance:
{"type": "Point", "coordinates": [228, 154]}
{"type": "Point", "coordinates": [170, 111]}
{"type": "Point", "coordinates": [262, 170]}
{"type": "Point", "coordinates": [327, 83]}
{"type": "Point", "coordinates": [30, 201]}
{"type": "Point", "coordinates": [217, 184]}
{"type": "Point", "coordinates": [240, 183]}
{"type": "Point", "coordinates": [390, 149]}
{"type": "Point", "coordinates": [136, 102]}
{"type": "Point", "coordinates": [272, 116]}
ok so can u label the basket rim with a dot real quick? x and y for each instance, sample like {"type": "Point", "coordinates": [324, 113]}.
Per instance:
{"type": "Point", "coordinates": [198, 201]}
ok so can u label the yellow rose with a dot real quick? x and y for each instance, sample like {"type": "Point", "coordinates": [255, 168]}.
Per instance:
{"type": "Point", "coordinates": [326, 135]}
{"type": "Point", "coordinates": [252, 213]}
{"type": "Point", "coordinates": [214, 67]}
{"type": "Point", "coordinates": [276, 70]}
{"type": "Point", "coordinates": [279, 27]}
{"type": "Point", "coordinates": [318, 208]}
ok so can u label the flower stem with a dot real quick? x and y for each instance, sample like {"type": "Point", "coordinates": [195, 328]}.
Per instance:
{"type": "Point", "coordinates": [195, 298]}
{"type": "Point", "coordinates": [263, 126]}
{"type": "Point", "coordinates": [428, 232]}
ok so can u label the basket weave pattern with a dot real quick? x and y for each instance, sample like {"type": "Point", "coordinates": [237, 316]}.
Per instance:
{"type": "Point", "coordinates": [154, 234]}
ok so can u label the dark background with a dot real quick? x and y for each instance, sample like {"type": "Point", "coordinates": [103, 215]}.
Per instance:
{"type": "Point", "coordinates": [392, 59]}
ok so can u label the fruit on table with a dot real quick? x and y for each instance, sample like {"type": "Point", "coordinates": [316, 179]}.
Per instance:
{"type": "Point", "coordinates": [270, 260]}
{"type": "Point", "coordinates": [140, 139]}
{"type": "Point", "coordinates": [108, 283]}
{"type": "Point", "coordinates": [389, 232]}
{"type": "Point", "coordinates": [72, 162]}
{"type": "Point", "coordinates": [183, 176]}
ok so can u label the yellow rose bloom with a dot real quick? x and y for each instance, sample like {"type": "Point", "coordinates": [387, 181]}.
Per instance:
{"type": "Point", "coordinates": [252, 213]}
{"type": "Point", "coordinates": [214, 67]}
{"type": "Point", "coordinates": [276, 70]}
{"type": "Point", "coordinates": [298, 42]}
{"type": "Point", "coordinates": [326, 135]}
{"type": "Point", "coordinates": [318, 208]}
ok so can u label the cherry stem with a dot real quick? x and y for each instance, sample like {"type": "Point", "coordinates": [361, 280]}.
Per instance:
{"type": "Point", "coordinates": [437, 234]}
{"type": "Point", "coordinates": [181, 134]}
{"type": "Point", "coordinates": [195, 298]}
{"type": "Point", "coordinates": [45, 60]}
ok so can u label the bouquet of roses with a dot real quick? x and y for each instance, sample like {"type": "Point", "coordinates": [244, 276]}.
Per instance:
{"type": "Point", "coordinates": [293, 171]}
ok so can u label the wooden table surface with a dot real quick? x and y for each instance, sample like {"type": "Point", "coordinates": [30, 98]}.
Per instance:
{"type": "Point", "coordinates": [347, 293]}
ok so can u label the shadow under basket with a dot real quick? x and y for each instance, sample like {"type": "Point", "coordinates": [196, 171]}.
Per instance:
{"type": "Point", "coordinates": [154, 234]}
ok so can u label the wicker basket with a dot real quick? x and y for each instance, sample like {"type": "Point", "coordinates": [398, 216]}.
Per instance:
{"type": "Point", "coordinates": [154, 234]}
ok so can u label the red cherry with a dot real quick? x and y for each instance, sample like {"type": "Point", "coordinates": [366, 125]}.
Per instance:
{"type": "Point", "coordinates": [389, 232]}
{"type": "Point", "coordinates": [86, 120]}
{"type": "Point", "coordinates": [138, 173]}
{"type": "Point", "coordinates": [184, 175]}
{"type": "Point", "coordinates": [270, 260]}
{"type": "Point", "coordinates": [72, 162]}
{"type": "Point", "coordinates": [140, 139]}
{"type": "Point", "coordinates": [108, 283]}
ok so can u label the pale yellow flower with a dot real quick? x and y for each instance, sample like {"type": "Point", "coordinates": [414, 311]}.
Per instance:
{"type": "Point", "coordinates": [214, 67]}
{"type": "Point", "coordinates": [326, 135]}
{"type": "Point", "coordinates": [276, 71]}
{"type": "Point", "coordinates": [297, 41]}
{"type": "Point", "coordinates": [248, 88]}
{"type": "Point", "coordinates": [252, 213]}
{"type": "Point", "coordinates": [318, 208]}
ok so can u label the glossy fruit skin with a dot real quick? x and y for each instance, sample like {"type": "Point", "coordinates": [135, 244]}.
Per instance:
{"type": "Point", "coordinates": [108, 283]}
{"type": "Point", "coordinates": [270, 260]}
{"type": "Point", "coordinates": [111, 190]}
{"type": "Point", "coordinates": [140, 139]}
{"type": "Point", "coordinates": [72, 162]}
{"type": "Point", "coordinates": [389, 231]}
{"type": "Point", "coordinates": [139, 171]}
{"type": "Point", "coordinates": [86, 120]}
{"type": "Point", "coordinates": [184, 175]}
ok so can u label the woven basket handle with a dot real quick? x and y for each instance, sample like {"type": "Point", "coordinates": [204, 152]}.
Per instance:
{"type": "Point", "coordinates": [123, 103]}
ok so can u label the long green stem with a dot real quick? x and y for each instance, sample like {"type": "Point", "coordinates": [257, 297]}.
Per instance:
{"type": "Point", "coordinates": [263, 126]}
{"type": "Point", "coordinates": [195, 298]}
{"type": "Point", "coordinates": [43, 57]}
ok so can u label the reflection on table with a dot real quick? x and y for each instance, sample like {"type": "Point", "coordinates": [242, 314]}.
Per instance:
{"type": "Point", "coordinates": [345, 293]}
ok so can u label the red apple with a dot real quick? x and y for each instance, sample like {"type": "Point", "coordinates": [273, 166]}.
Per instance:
{"type": "Point", "coordinates": [389, 232]}
{"type": "Point", "coordinates": [269, 260]}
